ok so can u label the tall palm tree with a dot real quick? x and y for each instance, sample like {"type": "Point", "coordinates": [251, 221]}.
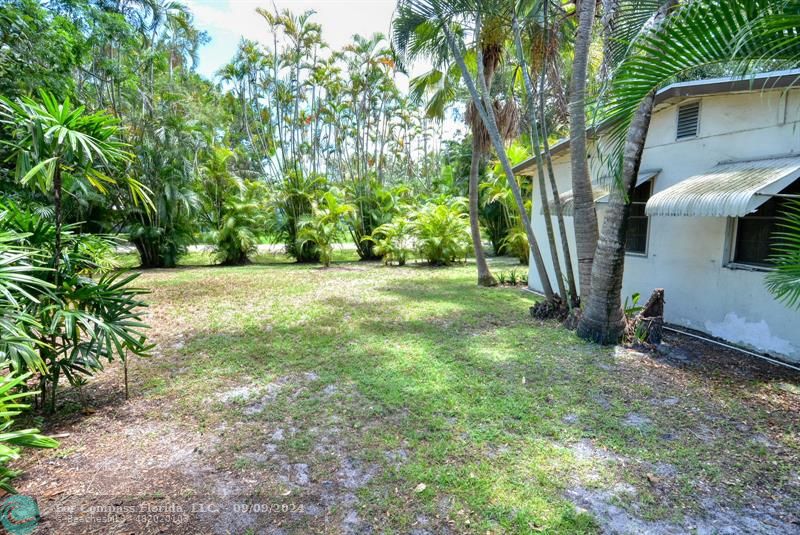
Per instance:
{"type": "Point", "coordinates": [410, 14]}
{"type": "Point", "coordinates": [443, 16]}
{"type": "Point", "coordinates": [533, 128]}
{"type": "Point", "coordinates": [603, 319]}
{"type": "Point", "coordinates": [443, 81]}
{"type": "Point", "coordinates": [584, 214]}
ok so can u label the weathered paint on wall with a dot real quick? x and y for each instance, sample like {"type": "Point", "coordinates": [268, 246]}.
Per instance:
{"type": "Point", "coordinates": [688, 256]}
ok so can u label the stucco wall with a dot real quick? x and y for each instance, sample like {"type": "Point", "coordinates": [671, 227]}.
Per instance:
{"type": "Point", "coordinates": [687, 256]}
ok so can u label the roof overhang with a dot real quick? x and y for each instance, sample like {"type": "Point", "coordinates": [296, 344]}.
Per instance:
{"type": "Point", "coordinates": [642, 178]}
{"type": "Point", "coordinates": [732, 189]}
{"type": "Point", "coordinates": [600, 194]}
{"type": "Point", "coordinates": [683, 90]}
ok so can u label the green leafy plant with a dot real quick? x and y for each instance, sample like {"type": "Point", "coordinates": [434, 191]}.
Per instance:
{"type": "Point", "coordinates": [79, 322]}
{"type": "Point", "coordinates": [11, 441]}
{"type": "Point", "coordinates": [784, 281]}
{"type": "Point", "coordinates": [441, 232]}
{"type": "Point", "coordinates": [516, 243]}
{"type": "Point", "coordinates": [18, 287]}
{"type": "Point", "coordinates": [231, 208]}
{"type": "Point", "coordinates": [291, 203]}
{"type": "Point", "coordinates": [502, 277]}
{"type": "Point", "coordinates": [393, 241]}
{"type": "Point", "coordinates": [324, 225]}
{"type": "Point", "coordinates": [631, 306]}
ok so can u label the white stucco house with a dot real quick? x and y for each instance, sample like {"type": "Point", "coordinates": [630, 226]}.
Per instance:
{"type": "Point", "coordinates": [720, 158]}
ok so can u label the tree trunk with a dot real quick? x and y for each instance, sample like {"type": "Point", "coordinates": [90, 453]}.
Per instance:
{"type": "Point", "coordinates": [58, 214]}
{"type": "Point", "coordinates": [497, 143]}
{"type": "Point", "coordinates": [485, 277]}
{"type": "Point", "coordinates": [585, 216]}
{"type": "Point", "coordinates": [534, 135]}
{"type": "Point", "coordinates": [603, 319]}
{"type": "Point", "coordinates": [572, 300]}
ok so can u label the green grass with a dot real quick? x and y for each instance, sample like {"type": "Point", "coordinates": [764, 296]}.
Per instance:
{"type": "Point", "coordinates": [486, 403]}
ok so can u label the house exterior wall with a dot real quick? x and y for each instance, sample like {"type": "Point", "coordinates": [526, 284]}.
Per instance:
{"type": "Point", "coordinates": [688, 256]}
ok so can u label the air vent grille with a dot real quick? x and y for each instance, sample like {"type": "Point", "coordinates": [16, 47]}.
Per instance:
{"type": "Point", "coordinates": [688, 119]}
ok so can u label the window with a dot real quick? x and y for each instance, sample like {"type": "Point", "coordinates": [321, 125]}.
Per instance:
{"type": "Point", "coordinates": [753, 243]}
{"type": "Point", "coordinates": [688, 120]}
{"type": "Point", "coordinates": [636, 237]}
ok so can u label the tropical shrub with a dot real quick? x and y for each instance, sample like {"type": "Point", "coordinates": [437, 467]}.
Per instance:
{"type": "Point", "coordinates": [291, 202]}
{"type": "Point", "coordinates": [784, 281]}
{"type": "Point", "coordinates": [76, 321]}
{"type": "Point", "coordinates": [11, 441]}
{"type": "Point", "coordinates": [324, 225]}
{"type": "Point", "coordinates": [373, 206]}
{"type": "Point", "coordinates": [18, 286]}
{"type": "Point", "coordinates": [441, 232]}
{"type": "Point", "coordinates": [232, 208]}
{"type": "Point", "coordinates": [393, 241]}
{"type": "Point", "coordinates": [515, 243]}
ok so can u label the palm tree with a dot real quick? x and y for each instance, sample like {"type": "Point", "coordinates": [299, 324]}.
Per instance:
{"type": "Point", "coordinates": [784, 281]}
{"type": "Point", "coordinates": [411, 13]}
{"type": "Point", "coordinates": [534, 137]}
{"type": "Point", "coordinates": [441, 83]}
{"type": "Point", "coordinates": [603, 319]}
{"type": "Point", "coordinates": [699, 33]}
{"type": "Point", "coordinates": [55, 142]}
{"type": "Point", "coordinates": [585, 216]}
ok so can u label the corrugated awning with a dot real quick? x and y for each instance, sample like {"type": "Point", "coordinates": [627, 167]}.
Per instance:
{"type": "Point", "coordinates": [600, 194]}
{"type": "Point", "coordinates": [643, 177]}
{"type": "Point", "coordinates": [728, 190]}
{"type": "Point", "coordinates": [568, 201]}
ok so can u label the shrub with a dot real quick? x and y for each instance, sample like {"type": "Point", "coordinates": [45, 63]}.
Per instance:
{"type": "Point", "coordinates": [373, 205]}
{"type": "Point", "coordinates": [516, 243]}
{"type": "Point", "coordinates": [240, 225]}
{"type": "Point", "coordinates": [441, 232]}
{"type": "Point", "coordinates": [11, 441]}
{"type": "Point", "coordinates": [291, 203]}
{"type": "Point", "coordinates": [393, 241]}
{"type": "Point", "coordinates": [79, 322]}
{"type": "Point", "coordinates": [324, 225]}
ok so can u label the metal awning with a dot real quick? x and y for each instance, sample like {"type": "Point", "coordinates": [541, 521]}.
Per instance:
{"type": "Point", "coordinates": [568, 201]}
{"type": "Point", "coordinates": [732, 189]}
{"type": "Point", "coordinates": [643, 177]}
{"type": "Point", "coordinates": [600, 194]}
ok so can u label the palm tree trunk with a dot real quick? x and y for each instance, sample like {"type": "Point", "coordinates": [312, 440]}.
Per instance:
{"type": "Point", "coordinates": [603, 319]}
{"type": "Point", "coordinates": [494, 134]}
{"type": "Point", "coordinates": [585, 216]}
{"type": "Point", "coordinates": [534, 135]}
{"type": "Point", "coordinates": [562, 229]}
{"type": "Point", "coordinates": [485, 277]}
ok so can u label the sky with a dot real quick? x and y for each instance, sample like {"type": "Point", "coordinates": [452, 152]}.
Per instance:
{"type": "Point", "coordinates": [227, 21]}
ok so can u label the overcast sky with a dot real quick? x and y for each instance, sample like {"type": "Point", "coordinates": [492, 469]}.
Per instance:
{"type": "Point", "coordinates": [227, 21]}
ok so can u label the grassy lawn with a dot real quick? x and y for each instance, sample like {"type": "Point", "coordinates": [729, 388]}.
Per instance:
{"type": "Point", "coordinates": [408, 400]}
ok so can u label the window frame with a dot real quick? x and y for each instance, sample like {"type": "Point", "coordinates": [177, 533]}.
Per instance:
{"type": "Point", "coordinates": [696, 135]}
{"type": "Point", "coordinates": [646, 253]}
{"type": "Point", "coordinates": [732, 233]}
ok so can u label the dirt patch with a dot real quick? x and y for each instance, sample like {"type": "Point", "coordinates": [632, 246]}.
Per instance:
{"type": "Point", "coordinates": [757, 519]}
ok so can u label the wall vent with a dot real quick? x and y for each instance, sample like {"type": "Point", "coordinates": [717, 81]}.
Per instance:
{"type": "Point", "coordinates": [688, 120]}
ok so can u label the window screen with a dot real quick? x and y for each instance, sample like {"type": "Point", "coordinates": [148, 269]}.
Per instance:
{"type": "Point", "coordinates": [636, 236]}
{"type": "Point", "coordinates": [688, 120]}
{"type": "Point", "coordinates": [754, 244]}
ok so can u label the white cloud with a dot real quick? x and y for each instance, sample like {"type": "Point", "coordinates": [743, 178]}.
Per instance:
{"type": "Point", "coordinates": [227, 21]}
